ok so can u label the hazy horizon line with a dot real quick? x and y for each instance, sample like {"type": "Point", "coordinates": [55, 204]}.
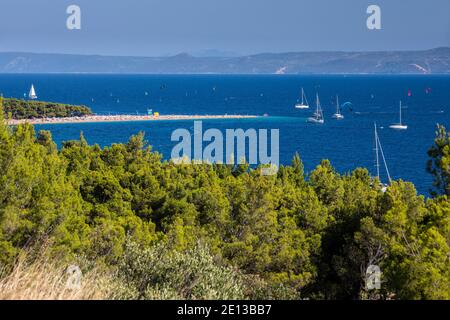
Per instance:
{"type": "Point", "coordinates": [237, 55]}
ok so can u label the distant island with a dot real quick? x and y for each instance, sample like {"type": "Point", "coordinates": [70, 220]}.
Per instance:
{"type": "Point", "coordinates": [434, 61]}
{"type": "Point", "coordinates": [28, 109]}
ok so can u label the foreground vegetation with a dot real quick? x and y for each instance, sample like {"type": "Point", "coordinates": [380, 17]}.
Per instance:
{"type": "Point", "coordinates": [27, 109]}
{"type": "Point", "coordinates": [144, 228]}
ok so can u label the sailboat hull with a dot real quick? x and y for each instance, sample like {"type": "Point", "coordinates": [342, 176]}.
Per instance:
{"type": "Point", "coordinates": [338, 116]}
{"type": "Point", "coordinates": [316, 121]}
{"type": "Point", "coordinates": [317, 117]}
{"type": "Point", "coordinates": [304, 103]}
{"type": "Point", "coordinates": [398, 127]}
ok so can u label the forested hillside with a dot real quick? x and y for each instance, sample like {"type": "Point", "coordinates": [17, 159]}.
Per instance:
{"type": "Point", "coordinates": [433, 61]}
{"type": "Point", "coordinates": [160, 230]}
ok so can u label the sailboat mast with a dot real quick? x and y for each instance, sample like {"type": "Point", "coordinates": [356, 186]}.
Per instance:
{"type": "Point", "coordinates": [303, 94]}
{"type": "Point", "coordinates": [400, 112]}
{"type": "Point", "coordinates": [376, 152]}
{"type": "Point", "coordinates": [338, 111]}
{"type": "Point", "coordinates": [317, 105]}
{"type": "Point", "coordinates": [384, 160]}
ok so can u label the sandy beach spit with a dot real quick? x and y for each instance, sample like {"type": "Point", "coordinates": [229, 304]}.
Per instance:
{"type": "Point", "coordinates": [124, 118]}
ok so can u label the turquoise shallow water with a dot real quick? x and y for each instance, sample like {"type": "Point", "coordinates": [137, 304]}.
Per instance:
{"type": "Point", "coordinates": [347, 143]}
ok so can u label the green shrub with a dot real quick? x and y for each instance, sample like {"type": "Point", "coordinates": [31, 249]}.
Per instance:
{"type": "Point", "coordinates": [160, 273]}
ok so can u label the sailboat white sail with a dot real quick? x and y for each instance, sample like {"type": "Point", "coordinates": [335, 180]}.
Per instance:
{"type": "Point", "coordinates": [400, 125]}
{"type": "Point", "coordinates": [318, 114]}
{"type": "Point", "coordinates": [32, 94]}
{"type": "Point", "coordinates": [378, 151]}
{"type": "Point", "coordinates": [338, 115]}
{"type": "Point", "coordinates": [304, 104]}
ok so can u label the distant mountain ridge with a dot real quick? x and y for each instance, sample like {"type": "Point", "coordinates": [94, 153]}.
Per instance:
{"type": "Point", "coordinates": [434, 61]}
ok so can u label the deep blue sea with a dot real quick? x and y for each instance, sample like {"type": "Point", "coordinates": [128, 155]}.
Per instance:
{"type": "Point", "coordinates": [348, 144]}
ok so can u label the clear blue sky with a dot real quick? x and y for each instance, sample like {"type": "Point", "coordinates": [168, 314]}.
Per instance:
{"type": "Point", "coordinates": [162, 27]}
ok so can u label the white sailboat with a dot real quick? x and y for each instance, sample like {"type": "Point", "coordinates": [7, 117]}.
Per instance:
{"type": "Point", "coordinates": [318, 114]}
{"type": "Point", "coordinates": [338, 115]}
{"type": "Point", "coordinates": [400, 125]}
{"type": "Point", "coordinates": [304, 104]}
{"type": "Point", "coordinates": [32, 94]}
{"type": "Point", "coordinates": [378, 150]}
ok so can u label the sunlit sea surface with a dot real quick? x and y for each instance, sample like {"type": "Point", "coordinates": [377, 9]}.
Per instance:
{"type": "Point", "coordinates": [348, 143]}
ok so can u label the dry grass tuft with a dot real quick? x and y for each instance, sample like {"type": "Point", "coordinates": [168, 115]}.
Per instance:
{"type": "Point", "coordinates": [46, 280]}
